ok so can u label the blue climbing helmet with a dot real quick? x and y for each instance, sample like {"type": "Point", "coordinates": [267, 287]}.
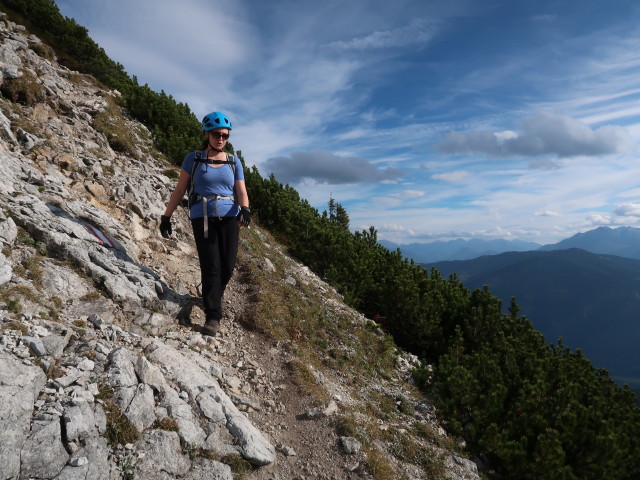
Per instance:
{"type": "Point", "coordinates": [215, 120]}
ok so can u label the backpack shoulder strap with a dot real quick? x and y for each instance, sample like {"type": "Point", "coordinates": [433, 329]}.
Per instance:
{"type": "Point", "coordinates": [231, 160]}
{"type": "Point", "coordinates": [197, 157]}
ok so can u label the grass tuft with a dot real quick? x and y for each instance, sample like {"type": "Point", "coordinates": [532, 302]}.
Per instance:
{"type": "Point", "coordinates": [168, 424]}
{"type": "Point", "coordinates": [120, 430]}
{"type": "Point", "coordinates": [25, 90]}
{"type": "Point", "coordinates": [112, 123]}
{"type": "Point", "coordinates": [239, 466]}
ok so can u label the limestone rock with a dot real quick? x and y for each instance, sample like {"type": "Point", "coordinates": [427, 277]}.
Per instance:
{"type": "Point", "coordinates": [162, 453]}
{"type": "Point", "coordinates": [6, 271]}
{"type": "Point", "coordinates": [8, 231]}
{"type": "Point", "coordinates": [43, 455]}
{"type": "Point", "coordinates": [205, 469]}
{"type": "Point", "coordinates": [20, 385]}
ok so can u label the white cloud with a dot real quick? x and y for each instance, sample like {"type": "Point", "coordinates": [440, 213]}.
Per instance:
{"type": "Point", "coordinates": [506, 135]}
{"type": "Point", "coordinates": [325, 167]}
{"type": "Point", "coordinates": [547, 213]}
{"type": "Point", "coordinates": [595, 220]}
{"type": "Point", "coordinates": [418, 32]}
{"type": "Point", "coordinates": [391, 227]}
{"type": "Point", "coordinates": [180, 32]}
{"type": "Point", "coordinates": [456, 176]}
{"type": "Point", "coordinates": [409, 194]}
{"type": "Point", "coordinates": [628, 210]}
{"type": "Point", "coordinates": [544, 17]}
{"type": "Point", "coordinates": [543, 164]}
{"type": "Point", "coordinates": [543, 134]}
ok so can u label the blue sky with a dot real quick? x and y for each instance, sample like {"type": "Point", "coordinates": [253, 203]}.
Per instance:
{"type": "Point", "coordinates": [429, 120]}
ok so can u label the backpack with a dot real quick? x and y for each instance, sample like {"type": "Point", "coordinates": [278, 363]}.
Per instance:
{"type": "Point", "coordinates": [198, 157]}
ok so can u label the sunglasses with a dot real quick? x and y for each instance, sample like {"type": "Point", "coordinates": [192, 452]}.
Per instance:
{"type": "Point", "coordinates": [217, 135]}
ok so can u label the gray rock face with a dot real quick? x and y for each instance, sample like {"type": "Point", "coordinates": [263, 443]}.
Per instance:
{"type": "Point", "coordinates": [20, 385]}
{"type": "Point", "coordinates": [152, 323]}
{"type": "Point", "coordinates": [199, 384]}
{"type": "Point", "coordinates": [55, 339]}
{"type": "Point", "coordinates": [80, 422]}
{"type": "Point", "coordinates": [10, 61]}
{"type": "Point", "coordinates": [209, 470]}
{"type": "Point", "coordinates": [149, 374]}
{"type": "Point", "coordinates": [6, 271]}
{"type": "Point", "coordinates": [64, 283]}
{"type": "Point", "coordinates": [141, 410]}
{"type": "Point", "coordinates": [6, 133]}
{"type": "Point", "coordinates": [121, 376]}
{"type": "Point", "coordinates": [162, 454]}
{"type": "Point", "coordinates": [43, 455]}
{"type": "Point", "coordinates": [179, 410]}
{"type": "Point", "coordinates": [8, 231]}
{"type": "Point", "coordinates": [90, 462]}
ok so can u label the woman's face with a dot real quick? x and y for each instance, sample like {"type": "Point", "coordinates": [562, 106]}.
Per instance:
{"type": "Point", "coordinates": [218, 137]}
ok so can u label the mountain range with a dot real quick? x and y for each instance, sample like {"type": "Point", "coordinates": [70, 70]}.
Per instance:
{"type": "Point", "coordinates": [575, 290]}
{"type": "Point", "coordinates": [622, 241]}
{"type": "Point", "coordinates": [458, 249]}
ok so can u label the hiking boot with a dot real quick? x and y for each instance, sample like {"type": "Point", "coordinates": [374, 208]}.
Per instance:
{"type": "Point", "coordinates": [211, 327]}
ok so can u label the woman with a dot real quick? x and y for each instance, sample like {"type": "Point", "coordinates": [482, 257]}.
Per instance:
{"type": "Point", "coordinates": [213, 179]}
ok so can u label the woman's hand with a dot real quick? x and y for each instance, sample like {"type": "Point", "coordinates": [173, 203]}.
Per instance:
{"type": "Point", "coordinates": [244, 217]}
{"type": "Point", "coordinates": [165, 226]}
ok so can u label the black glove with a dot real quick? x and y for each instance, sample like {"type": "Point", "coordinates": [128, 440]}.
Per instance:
{"type": "Point", "coordinates": [244, 217]}
{"type": "Point", "coordinates": [165, 226]}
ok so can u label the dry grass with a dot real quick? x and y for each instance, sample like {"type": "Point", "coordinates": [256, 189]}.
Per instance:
{"type": "Point", "coordinates": [14, 325]}
{"type": "Point", "coordinates": [168, 424]}
{"type": "Point", "coordinates": [322, 336]}
{"type": "Point", "coordinates": [172, 173]}
{"type": "Point", "coordinates": [304, 378]}
{"type": "Point", "coordinates": [239, 466]}
{"type": "Point", "coordinates": [378, 466]}
{"type": "Point", "coordinates": [119, 429]}
{"type": "Point", "coordinates": [13, 297]}
{"type": "Point", "coordinates": [44, 50]}
{"type": "Point", "coordinates": [25, 90]}
{"type": "Point", "coordinates": [112, 123]}
{"type": "Point", "coordinates": [55, 371]}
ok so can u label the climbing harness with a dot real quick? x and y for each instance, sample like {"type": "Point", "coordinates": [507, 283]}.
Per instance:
{"type": "Point", "coordinates": [194, 197]}
{"type": "Point", "coordinates": [204, 208]}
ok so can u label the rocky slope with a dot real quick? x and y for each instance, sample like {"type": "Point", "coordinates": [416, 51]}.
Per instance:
{"type": "Point", "coordinates": [103, 371]}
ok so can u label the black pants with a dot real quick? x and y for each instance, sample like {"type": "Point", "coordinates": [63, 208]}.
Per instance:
{"type": "Point", "coordinates": [217, 255]}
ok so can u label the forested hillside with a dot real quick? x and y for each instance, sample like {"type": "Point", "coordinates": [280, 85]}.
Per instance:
{"type": "Point", "coordinates": [529, 409]}
{"type": "Point", "coordinates": [590, 300]}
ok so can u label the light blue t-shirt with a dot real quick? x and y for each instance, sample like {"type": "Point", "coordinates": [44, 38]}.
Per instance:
{"type": "Point", "coordinates": [213, 180]}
